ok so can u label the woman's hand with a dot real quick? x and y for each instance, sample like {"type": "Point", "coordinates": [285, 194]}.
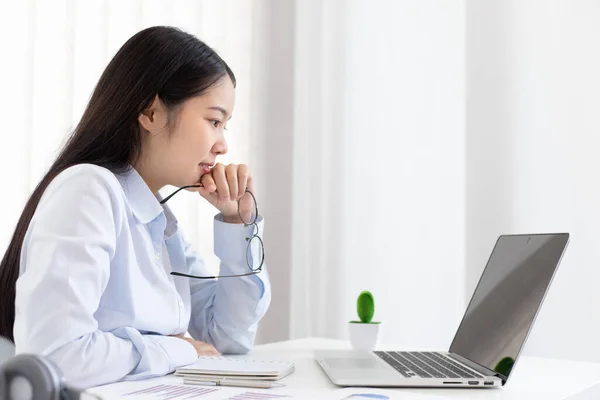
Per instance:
{"type": "Point", "coordinates": [202, 348]}
{"type": "Point", "coordinates": [224, 186]}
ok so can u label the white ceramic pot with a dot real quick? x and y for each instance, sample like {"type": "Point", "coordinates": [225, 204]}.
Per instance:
{"type": "Point", "coordinates": [364, 336]}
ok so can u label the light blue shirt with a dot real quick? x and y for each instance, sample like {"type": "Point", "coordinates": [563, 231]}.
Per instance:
{"type": "Point", "coordinates": [95, 294]}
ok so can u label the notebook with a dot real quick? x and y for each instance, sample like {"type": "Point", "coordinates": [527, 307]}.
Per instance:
{"type": "Point", "coordinates": [219, 367]}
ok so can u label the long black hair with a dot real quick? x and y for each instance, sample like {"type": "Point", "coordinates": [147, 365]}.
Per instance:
{"type": "Point", "coordinates": [160, 60]}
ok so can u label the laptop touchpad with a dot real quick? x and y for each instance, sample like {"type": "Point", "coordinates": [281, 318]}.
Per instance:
{"type": "Point", "coordinates": [353, 363]}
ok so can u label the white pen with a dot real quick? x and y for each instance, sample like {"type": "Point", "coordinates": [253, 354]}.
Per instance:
{"type": "Point", "coordinates": [233, 382]}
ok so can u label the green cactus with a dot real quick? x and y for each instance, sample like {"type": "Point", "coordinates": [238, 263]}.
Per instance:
{"type": "Point", "coordinates": [505, 365]}
{"type": "Point", "coordinates": [365, 308]}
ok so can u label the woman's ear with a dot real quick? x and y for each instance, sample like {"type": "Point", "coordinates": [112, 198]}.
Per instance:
{"type": "Point", "coordinates": [153, 119]}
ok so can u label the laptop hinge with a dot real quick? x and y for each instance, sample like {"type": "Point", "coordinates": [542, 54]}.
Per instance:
{"type": "Point", "coordinates": [479, 368]}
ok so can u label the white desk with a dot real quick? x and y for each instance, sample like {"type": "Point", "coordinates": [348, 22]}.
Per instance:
{"type": "Point", "coordinates": [533, 378]}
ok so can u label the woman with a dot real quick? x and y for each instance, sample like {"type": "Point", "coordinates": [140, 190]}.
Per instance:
{"type": "Point", "coordinates": [94, 248]}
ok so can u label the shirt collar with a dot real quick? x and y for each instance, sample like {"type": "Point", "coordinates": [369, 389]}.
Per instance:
{"type": "Point", "coordinates": [144, 204]}
{"type": "Point", "coordinates": [171, 226]}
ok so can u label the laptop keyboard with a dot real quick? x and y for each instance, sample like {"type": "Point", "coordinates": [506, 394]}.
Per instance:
{"type": "Point", "coordinates": [425, 365]}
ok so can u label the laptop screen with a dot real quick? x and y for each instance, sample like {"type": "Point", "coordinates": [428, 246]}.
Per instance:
{"type": "Point", "coordinates": [507, 298]}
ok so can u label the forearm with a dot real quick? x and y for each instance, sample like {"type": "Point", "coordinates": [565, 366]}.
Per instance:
{"type": "Point", "coordinates": [226, 312]}
{"type": "Point", "coordinates": [105, 357]}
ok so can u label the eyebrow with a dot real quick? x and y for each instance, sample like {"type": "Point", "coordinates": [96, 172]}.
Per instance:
{"type": "Point", "coordinates": [221, 109]}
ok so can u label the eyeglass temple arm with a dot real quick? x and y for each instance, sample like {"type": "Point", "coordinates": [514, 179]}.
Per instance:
{"type": "Point", "coordinates": [215, 277]}
{"type": "Point", "coordinates": [163, 201]}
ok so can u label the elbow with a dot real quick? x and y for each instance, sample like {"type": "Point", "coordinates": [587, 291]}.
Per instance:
{"type": "Point", "coordinates": [238, 348]}
{"type": "Point", "coordinates": [233, 342]}
{"type": "Point", "coordinates": [242, 350]}
{"type": "Point", "coordinates": [83, 362]}
{"type": "Point", "coordinates": [63, 358]}
{"type": "Point", "coordinates": [72, 371]}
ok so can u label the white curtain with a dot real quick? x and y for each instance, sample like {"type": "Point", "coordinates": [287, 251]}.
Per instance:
{"type": "Point", "coordinates": [364, 165]}
{"type": "Point", "coordinates": [53, 53]}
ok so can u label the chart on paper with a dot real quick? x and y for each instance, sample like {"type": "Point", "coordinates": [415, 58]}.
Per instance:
{"type": "Point", "coordinates": [172, 392]}
{"type": "Point", "coordinates": [172, 389]}
{"type": "Point", "coordinates": [185, 392]}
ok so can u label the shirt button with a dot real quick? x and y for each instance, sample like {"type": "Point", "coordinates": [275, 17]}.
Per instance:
{"type": "Point", "coordinates": [157, 256]}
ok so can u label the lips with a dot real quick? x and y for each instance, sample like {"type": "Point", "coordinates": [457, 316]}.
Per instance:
{"type": "Point", "coordinates": [206, 167]}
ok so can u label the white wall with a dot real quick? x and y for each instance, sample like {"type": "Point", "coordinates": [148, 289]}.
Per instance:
{"type": "Point", "coordinates": [533, 124]}
{"type": "Point", "coordinates": [271, 135]}
{"type": "Point", "coordinates": [379, 167]}
{"type": "Point", "coordinates": [403, 166]}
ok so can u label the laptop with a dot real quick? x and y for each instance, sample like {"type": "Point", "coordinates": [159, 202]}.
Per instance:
{"type": "Point", "coordinates": [490, 336]}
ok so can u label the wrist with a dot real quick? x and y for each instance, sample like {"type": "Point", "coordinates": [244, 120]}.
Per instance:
{"type": "Point", "coordinates": [232, 219]}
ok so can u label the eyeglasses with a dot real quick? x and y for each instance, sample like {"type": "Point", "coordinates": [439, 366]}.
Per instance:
{"type": "Point", "coordinates": [255, 242]}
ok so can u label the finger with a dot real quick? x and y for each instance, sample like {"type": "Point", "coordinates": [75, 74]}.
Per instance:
{"type": "Point", "coordinates": [231, 172]}
{"type": "Point", "coordinates": [207, 349]}
{"type": "Point", "coordinates": [208, 188]}
{"type": "Point", "coordinates": [206, 346]}
{"type": "Point", "coordinates": [246, 205]}
{"type": "Point", "coordinates": [250, 184]}
{"type": "Point", "coordinates": [208, 183]}
{"type": "Point", "coordinates": [243, 174]}
{"type": "Point", "coordinates": [218, 174]}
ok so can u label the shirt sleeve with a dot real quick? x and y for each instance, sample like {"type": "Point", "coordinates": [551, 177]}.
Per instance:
{"type": "Point", "coordinates": [226, 311]}
{"type": "Point", "coordinates": [65, 265]}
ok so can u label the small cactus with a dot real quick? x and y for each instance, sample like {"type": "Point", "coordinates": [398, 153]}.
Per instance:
{"type": "Point", "coordinates": [365, 307]}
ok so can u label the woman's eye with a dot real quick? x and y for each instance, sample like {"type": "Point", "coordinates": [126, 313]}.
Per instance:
{"type": "Point", "coordinates": [215, 122]}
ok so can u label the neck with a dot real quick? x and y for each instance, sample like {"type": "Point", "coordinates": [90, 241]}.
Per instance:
{"type": "Point", "coordinates": [148, 175]}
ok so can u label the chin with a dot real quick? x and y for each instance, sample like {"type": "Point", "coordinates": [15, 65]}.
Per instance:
{"type": "Point", "coordinates": [186, 179]}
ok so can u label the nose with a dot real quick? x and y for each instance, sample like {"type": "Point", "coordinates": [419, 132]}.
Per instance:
{"type": "Point", "coordinates": [220, 147]}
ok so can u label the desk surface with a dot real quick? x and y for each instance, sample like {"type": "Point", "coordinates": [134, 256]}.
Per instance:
{"type": "Point", "coordinates": [533, 378]}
